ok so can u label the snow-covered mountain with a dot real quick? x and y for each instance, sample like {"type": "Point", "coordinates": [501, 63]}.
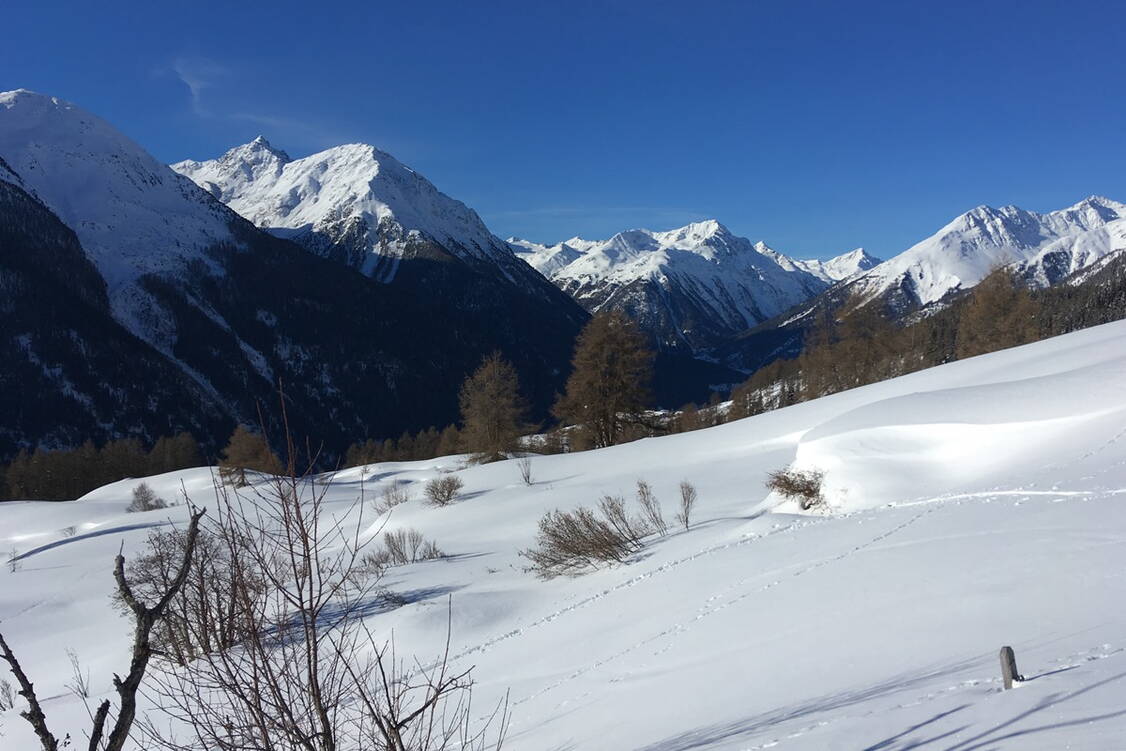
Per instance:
{"type": "Point", "coordinates": [842, 267]}
{"type": "Point", "coordinates": [1045, 248]}
{"type": "Point", "coordinates": [354, 203]}
{"type": "Point", "coordinates": [234, 309]}
{"type": "Point", "coordinates": [132, 215]}
{"type": "Point", "coordinates": [693, 286]}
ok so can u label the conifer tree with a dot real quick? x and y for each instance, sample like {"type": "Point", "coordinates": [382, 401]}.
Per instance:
{"type": "Point", "coordinates": [492, 410]}
{"type": "Point", "coordinates": [247, 451]}
{"type": "Point", "coordinates": [1000, 313]}
{"type": "Point", "coordinates": [449, 442]}
{"type": "Point", "coordinates": [609, 384]}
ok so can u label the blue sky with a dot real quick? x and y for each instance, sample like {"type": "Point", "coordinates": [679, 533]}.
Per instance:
{"type": "Point", "coordinates": [817, 127]}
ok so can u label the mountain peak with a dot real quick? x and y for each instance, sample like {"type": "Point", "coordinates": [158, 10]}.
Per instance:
{"type": "Point", "coordinates": [352, 193]}
{"type": "Point", "coordinates": [257, 150]}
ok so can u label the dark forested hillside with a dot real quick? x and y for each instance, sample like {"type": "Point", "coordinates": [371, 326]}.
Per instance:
{"type": "Point", "coordinates": [68, 371]}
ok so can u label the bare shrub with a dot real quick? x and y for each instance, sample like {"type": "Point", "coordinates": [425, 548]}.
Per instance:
{"type": "Point", "coordinates": [571, 542]}
{"type": "Point", "coordinates": [687, 502]}
{"type": "Point", "coordinates": [404, 546]}
{"type": "Point", "coordinates": [70, 531]}
{"type": "Point", "coordinates": [525, 467]}
{"type": "Point", "coordinates": [394, 495]}
{"type": "Point", "coordinates": [144, 499]}
{"type": "Point", "coordinates": [7, 696]}
{"type": "Point", "coordinates": [651, 508]}
{"type": "Point", "coordinates": [442, 491]}
{"type": "Point", "coordinates": [79, 683]}
{"type": "Point", "coordinates": [613, 509]}
{"type": "Point", "coordinates": [14, 560]}
{"type": "Point", "coordinates": [804, 486]}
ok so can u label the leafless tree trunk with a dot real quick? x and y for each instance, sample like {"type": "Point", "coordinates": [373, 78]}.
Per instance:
{"type": "Point", "coordinates": [145, 618]}
{"type": "Point", "coordinates": [306, 674]}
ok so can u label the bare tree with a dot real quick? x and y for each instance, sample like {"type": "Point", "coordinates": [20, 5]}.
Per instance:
{"type": "Point", "coordinates": [687, 502]}
{"type": "Point", "coordinates": [206, 615]}
{"type": "Point", "coordinates": [301, 676]}
{"type": "Point", "coordinates": [424, 709]}
{"type": "Point", "coordinates": [608, 388]}
{"type": "Point", "coordinates": [492, 410]}
{"type": "Point", "coordinates": [145, 618]}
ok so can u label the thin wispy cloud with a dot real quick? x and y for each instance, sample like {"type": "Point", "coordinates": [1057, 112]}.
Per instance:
{"type": "Point", "coordinates": [211, 83]}
{"type": "Point", "coordinates": [198, 74]}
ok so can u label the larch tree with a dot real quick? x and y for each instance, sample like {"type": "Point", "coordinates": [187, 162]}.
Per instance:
{"type": "Point", "coordinates": [609, 384]}
{"type": "Point", "coordinates": [1000, 313]}
{"type": "Point", "coordinates": [247, 451]}
{"type": "Point", "coordinates": [492, 410]}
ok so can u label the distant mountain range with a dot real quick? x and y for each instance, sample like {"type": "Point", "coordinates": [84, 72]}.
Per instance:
{"type": "Point", "coordinates": [1044, 248]}
{"type": "Point", "coordinates": [693, 287]}
{"type": "Point", "coordinates": [148, 306]}
{"type": "Point", "coordinates": [143, 299]}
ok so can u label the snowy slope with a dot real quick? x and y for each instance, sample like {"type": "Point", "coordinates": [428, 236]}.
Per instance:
{"type": "Point", "coordinates": [1044, 247]}
{"type": "Point", "coordinates": [973, 505]}
{"type": "Point", "coordinates": [131, 213]}
{"type": "Point", "coordinates": [692, 286]}
{"type": "Point", "coordinates": [353, 201]}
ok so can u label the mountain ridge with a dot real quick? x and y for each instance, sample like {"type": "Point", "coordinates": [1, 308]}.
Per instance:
{"type": "Point", "coordinates": [690, 287]}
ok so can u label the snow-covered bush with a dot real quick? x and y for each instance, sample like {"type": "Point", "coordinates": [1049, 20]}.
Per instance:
{"type": "Point", "coordinates": [442, 491]}
{"type": "Point", "coordinates": [144, 499]}
{"type": "Point", "coordinates": [803, 486]}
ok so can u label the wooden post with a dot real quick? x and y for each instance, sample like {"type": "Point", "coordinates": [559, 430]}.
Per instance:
{"type": "Point", "coordinates": [1009, 667]}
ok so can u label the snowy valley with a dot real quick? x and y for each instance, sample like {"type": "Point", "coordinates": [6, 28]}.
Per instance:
{"type": "Point", "coordinates": [970, 506]}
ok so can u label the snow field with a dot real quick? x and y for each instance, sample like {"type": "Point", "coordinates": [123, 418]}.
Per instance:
{"type": "Point", "coordinates": [973, 505]}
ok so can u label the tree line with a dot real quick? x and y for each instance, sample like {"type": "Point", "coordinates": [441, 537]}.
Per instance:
{"type": "Point", "coordinates": [607, 395]}
{"type": "Point", "coordinates": [70, 473]}
{"type": "Point", "coordinates": [603, 403]}
{"type": "Point", "coordinates": [857, 345]}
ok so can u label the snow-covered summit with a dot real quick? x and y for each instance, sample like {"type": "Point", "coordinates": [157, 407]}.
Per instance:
{"type": "Point", "coordinates": [131, 213]}
{"type": "Point", "coordinates": [351, 200]}
{"type": "Point", "coordinates": [689, 286]}
{"type": "Point", "coordinates": [842, 267]}
{"type": "Point", "coordinates": [230, 176]}
{"type": "Point", "coordinates": [1044, 247]}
